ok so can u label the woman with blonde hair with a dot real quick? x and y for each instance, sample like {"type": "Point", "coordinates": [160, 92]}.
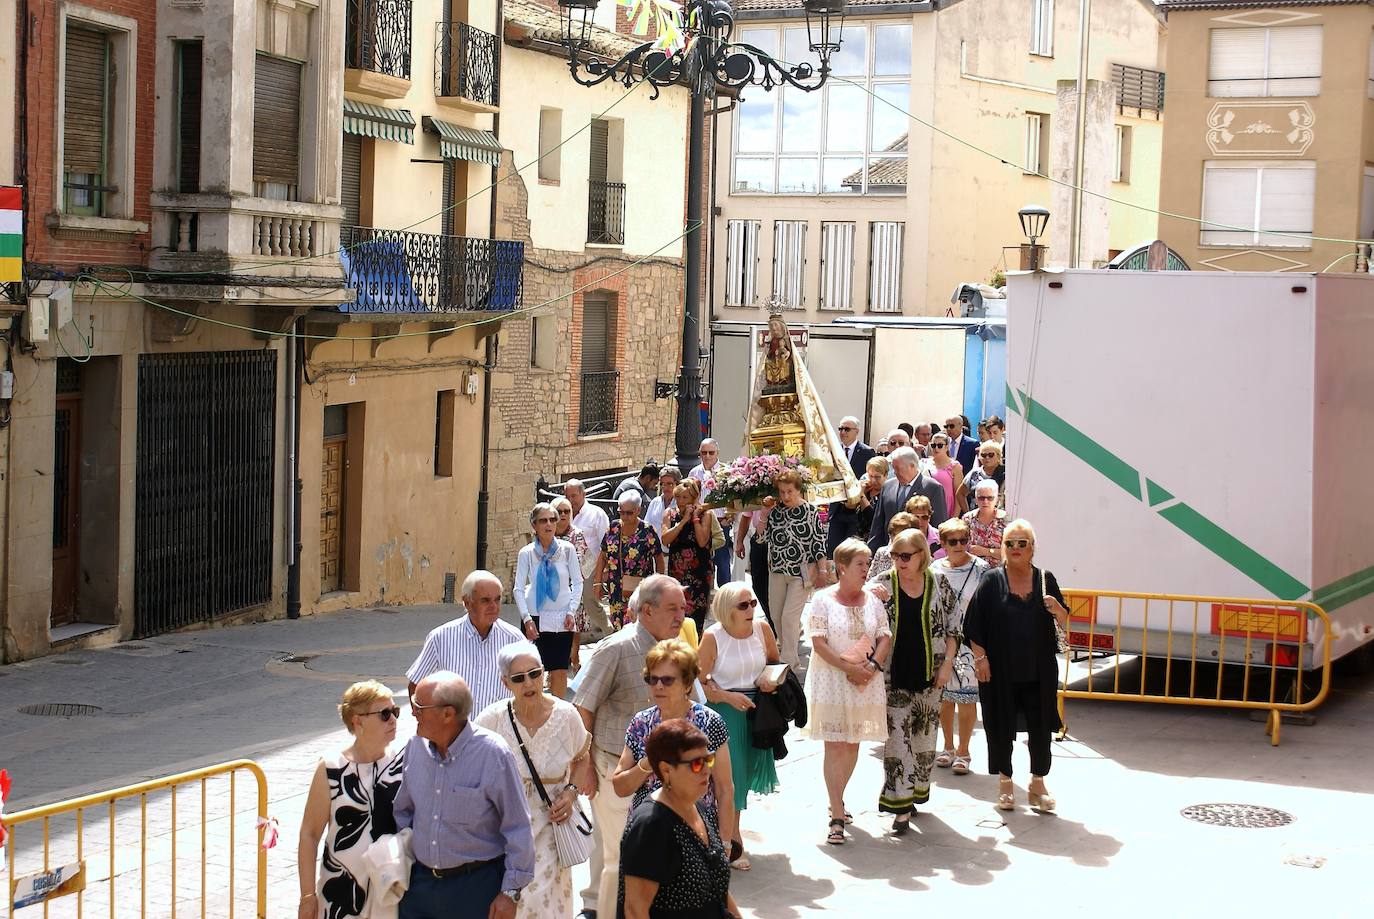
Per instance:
{"type": "Point", "coordinates": [670, 669]}
{"type": "Point", "coordinates": [850, 639]}
{"type": "Point", "coordinates": [350, 804]}
{"type": "Point", "coordinates": [733, 655]}
{"type": "Point", "coordinates": [957, 577]}
{"type": "Point", "coordinates": [1010, 627]}
{"type": "Point", "coordinates": [920, 643]}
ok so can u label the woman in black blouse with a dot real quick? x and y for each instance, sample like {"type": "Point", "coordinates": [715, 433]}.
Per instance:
{"type": "Point", "coordinates": [672, 862]}
{"type": "Point", "coordinates": [1010, 629]}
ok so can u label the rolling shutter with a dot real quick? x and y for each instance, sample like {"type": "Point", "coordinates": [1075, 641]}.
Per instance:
{"type": "Point", "coordinates": [84, 105]}
{"type": "Point", "coordinates": [351, 173]}
{"type": "Point", "coordinates": [595, 334]}
{"type": "Point", "coordinates": [188, 116]}
{"type": "Point", "coordinates": [276, 120]}
{"type": "Point", "coordinates": [600, 144]}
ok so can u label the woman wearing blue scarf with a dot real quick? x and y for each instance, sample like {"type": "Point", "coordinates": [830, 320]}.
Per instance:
{"type": "Point", "coordinates": [548, 587]}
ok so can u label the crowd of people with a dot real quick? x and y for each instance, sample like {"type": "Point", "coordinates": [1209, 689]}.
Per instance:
{"type": "Point", "coordinates": [886, 620]}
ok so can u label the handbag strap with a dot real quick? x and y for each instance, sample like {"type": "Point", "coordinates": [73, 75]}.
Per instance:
{"type": "Point", "coordinates": [534, 773]}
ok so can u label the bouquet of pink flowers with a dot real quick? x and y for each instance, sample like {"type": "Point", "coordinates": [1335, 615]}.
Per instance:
{"type": "Point", "coordinates": [744, 483]}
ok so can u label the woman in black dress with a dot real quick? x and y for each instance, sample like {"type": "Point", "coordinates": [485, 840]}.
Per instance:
{"type": "Point", "coordinates": [672, 862]}
{"type": "Point", "coordinates": [1010, 627]}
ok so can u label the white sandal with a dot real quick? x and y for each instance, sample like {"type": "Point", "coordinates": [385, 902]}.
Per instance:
{"type": "Point", "coordinates": [945, 758]}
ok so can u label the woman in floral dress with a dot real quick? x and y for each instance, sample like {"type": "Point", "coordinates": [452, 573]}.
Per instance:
{"type": "Point", "coordinates": [986, 523]}
{"type": "Point", "coordinates": [691, 534]}
{"type": "Point", "coordinates": [559, 745]}
{"type": "Point", "coordinates": [629, 554]}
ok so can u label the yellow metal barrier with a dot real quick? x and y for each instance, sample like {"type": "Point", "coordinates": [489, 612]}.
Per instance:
{"type": "Point", "coordinates": [165, 900]}
{"type": "Point", "coordinates": [1254, 640]}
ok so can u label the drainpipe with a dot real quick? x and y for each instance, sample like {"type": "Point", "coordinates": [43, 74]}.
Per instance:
{"type": "Point", "coordinates": [483, 495]}
{"type": "Point", "coordinates": [295, 362]}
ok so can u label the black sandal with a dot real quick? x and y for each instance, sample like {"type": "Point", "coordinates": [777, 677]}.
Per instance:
{"type": "Point", "coordinates": [836, 835]}
{"type": "Point", "coordinates": [901, 825]}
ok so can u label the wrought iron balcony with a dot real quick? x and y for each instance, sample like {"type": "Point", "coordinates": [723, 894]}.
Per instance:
{"type": "Point", "coordinates": [1138, 88]}
{"type": "Point", "coordinates": [378, 38]}
{"type": "Point", "coordinates": [606, 213]}
{"type": "Point", "coordinates": [467, 65]}
{"type": "Point", "coordinates": [597, 409]}
{"type": "Point", "coordinates": [394, 271]}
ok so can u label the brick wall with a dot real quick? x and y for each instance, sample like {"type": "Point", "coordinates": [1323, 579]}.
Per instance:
{"type": "Point", "coordinates": [41, 84]}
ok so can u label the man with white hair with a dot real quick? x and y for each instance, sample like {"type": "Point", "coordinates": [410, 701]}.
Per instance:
{"type": "Point", "coordinates": [710, 465]}
{"type": "Point", "coordinates": [908, 481]}
{"type": "Point", "coordinates": [593, 523]}
{"type": "Point", "coordinates": [844, 520]}
{"type": "Point", "coordinates": [463, 799]}
{"type": "Point", "coordinates": [468, 645]}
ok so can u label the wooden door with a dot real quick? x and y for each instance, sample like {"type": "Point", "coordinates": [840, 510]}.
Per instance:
{"type": "Point", "coordinates": [331, 513]}
{"type": "Point", "coordinates": [66, 500]}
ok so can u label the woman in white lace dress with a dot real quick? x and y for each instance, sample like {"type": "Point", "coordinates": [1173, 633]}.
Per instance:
{"type": "Point", "coordinates": [558, 743]}
{"type": "Point", "coordinates": [846, 702]}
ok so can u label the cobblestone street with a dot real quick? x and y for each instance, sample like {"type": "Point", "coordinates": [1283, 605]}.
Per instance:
{"type": "Point", "coordinates": [1119, 843]}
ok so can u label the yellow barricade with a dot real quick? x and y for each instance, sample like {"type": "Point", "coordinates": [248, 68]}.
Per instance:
{"type": "Point", "coordinates": [1225, 652]}
{"type": "Point", "coordinates": [133, 852]}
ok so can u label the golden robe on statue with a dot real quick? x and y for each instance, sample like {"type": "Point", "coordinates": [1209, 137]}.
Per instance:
{"type": "Point", "coordinates": [786, 417]}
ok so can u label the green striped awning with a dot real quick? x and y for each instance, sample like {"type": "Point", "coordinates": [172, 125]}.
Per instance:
{"type": "Point", "coordinates": [378, 121]}
{"type": "Point", "coordinates": [459, 143]}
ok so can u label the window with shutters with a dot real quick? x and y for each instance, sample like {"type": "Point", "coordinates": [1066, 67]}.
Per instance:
{"type": "Point", "coordinates": [276, 127]}
{"type": "Point", "coordinates": [351, 180]}
{"type": "Point", "coordinates": [741, 262]}
{"type": "Point", "coordinates": [885, 266]}
{"type": "Point", "coordinates": [600, 381]}
{"type": "Point", "coordinates": [1042, 27]}
{"type": "Point", "coordinates": [188, 61]}
{"type": "Point", "coordinates": [837, 266]}
{"type": "Point", "coordinates": [1254, 203]}
{"type": "Point", "coordinates": [1281, 61]}
{"type": "Point", "coordinates": [455, 218]}
{"type": "Point", "coordinates": [1037, 144]}
{"type": "Point", "coordinates": [605, 190]}
{"type": "Point", "coordinates": [550, 136]}
{"type": "Point", "coordinates": [1122, 169]}
{"type": "Point", "coordinates": [87, 101]}
{"type": "Point", "coordinates": [789, 262]}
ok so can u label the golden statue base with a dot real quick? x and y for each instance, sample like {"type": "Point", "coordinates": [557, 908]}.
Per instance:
{"type": "Point", "coordinates": [782, 431]}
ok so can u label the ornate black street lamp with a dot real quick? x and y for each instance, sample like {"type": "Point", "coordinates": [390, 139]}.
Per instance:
{"type": "Point", "coordinates": [707, 61]}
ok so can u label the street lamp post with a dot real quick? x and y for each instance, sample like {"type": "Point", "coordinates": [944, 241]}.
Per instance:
{"type": "Point", "coordinates": [707, 61]}
{"type": "Point", "coordinates": [1033, 219]}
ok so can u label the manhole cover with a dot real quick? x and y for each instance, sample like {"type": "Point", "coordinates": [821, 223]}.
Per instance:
{"type": "Point", "coordinates": [61, 710]}
{"type": "Point", "coordinates": [1237, 816]}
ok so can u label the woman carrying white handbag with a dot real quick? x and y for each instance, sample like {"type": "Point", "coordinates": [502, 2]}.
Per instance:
{"type": "Point", "coordinates": [551, 745]}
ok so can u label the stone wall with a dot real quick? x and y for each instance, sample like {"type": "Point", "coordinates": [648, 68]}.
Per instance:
{"type": "Point", "coordinates": [534, 418]}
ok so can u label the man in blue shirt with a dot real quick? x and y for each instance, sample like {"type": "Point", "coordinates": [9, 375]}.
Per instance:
{"type": "Point", "coordinates": [462, 797]}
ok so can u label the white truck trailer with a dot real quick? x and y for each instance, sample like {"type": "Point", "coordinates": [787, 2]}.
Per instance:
{"type": "Point", "coordinates": [1199, 433]}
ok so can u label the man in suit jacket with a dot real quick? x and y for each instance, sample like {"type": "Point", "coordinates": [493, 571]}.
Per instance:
{"type": "Point", "coordinates": [961, 447]}
{"type": "Point", "coordinates": [908, 482]}
{"type": "Point", "coordinates": [844, 520]}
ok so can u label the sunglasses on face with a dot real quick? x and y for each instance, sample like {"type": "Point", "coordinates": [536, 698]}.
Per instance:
{"type": "Point", "coordinates": [386, 714]}
{"type": "Point", "coordinates": [845, 427]}
{"type": "Point", "coordinates": [747, 604]}
{"type": "Point", "coordinates": [546, 520]}
{"type": "Point", "coordinates": [534, 674]}
{"type": "Point", "coordinates": [565, 513]}
{"type": "Point", "coordinates": [956, 541]}
{"type": "Point", "coordinates": [987, 456]}
{"type": "Point", "coordinates": [664, 681]}
{"type": "Point", "coordinates": [697, 765]}
{"type": "Point", "coordinates": [906, 556]}
{"type": "Point", "coordinates": [987, 497]}
{"type": "Point", "coordinates": [1016, 543]}
{"type": "Point", "coordinates": [937, 445]}
{"type": "Point", "coordinates": [951, 427]}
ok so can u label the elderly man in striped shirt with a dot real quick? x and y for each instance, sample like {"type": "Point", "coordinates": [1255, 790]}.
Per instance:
{"type": "Point", "coordinates": [468, 645]}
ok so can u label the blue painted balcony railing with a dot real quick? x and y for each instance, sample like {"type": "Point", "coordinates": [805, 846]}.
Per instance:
{"type": "Point", "coordinates": [395, 271]}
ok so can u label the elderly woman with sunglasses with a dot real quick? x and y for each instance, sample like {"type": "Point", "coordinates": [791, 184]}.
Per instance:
{"type": "Point", "coordinates": [986, 523]}
{"type": "Point", "coordinates": [989, 467]}
{"type": "Point", "coordinates": [1010, 626]}
{"type": "Point", "coordinates": [734, 653]}
{"type": "Point", "coordinates": [548, 590]}
{"type": "Point", "coordinates": [673, 864]}
{"type": "Point", "coordinates": [921, 642]}
{"type": "Point", "coordinates": [630, 552]}
{"type": "Point", "coordinates": [670, 669]}
{"type": "Point", "coordinates": [350, 804]}
{"type": "Point", "coordinates": [957, 577]}
{"type": "Point", "coordinates": [566, 531]}
{"type": "Point", "coordinates": [556, 741]}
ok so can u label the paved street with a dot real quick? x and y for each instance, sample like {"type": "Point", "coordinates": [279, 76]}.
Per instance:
{"type": "Point", "coordinates": [1119, 844]}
